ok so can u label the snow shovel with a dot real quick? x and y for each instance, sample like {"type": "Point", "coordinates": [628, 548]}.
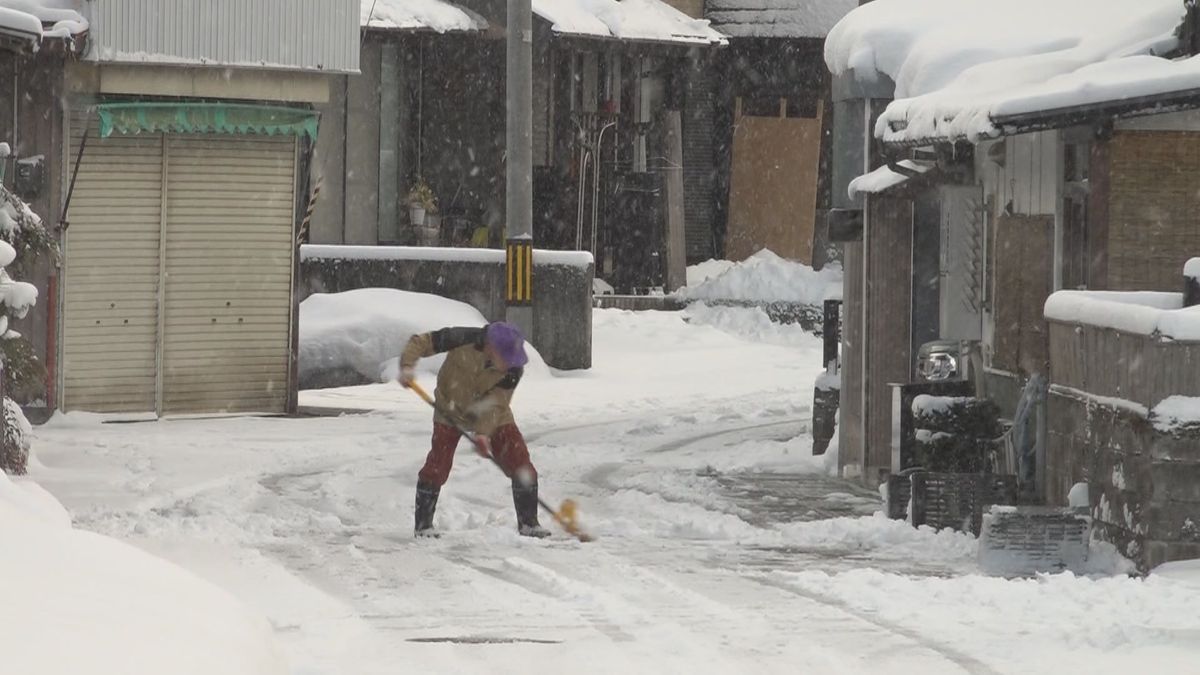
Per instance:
{"type": "Point", "coordinates": [564, 516]}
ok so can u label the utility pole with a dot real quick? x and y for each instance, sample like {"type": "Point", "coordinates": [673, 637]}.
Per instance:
{"type": "Point", "coordinates": [519, 167]}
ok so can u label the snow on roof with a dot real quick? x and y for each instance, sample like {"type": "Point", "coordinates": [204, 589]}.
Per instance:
{"type": "Point", "coordinates": [958, 65]}
{"type": "Point", "coordinates": [436, 15]}
{"type": "Point", "coordinates": [642, 20]}
{"type": "Point", "coordinates": [777, 18]}
{"type": "Point", "coordinates": [883, 178]}
{"type": "Point", "coordinates": [40, 19]}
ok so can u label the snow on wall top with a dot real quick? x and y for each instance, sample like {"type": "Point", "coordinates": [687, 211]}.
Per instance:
{"type": "Point", "coordinates": [1144, 313]}
{"type": "Point", "coordinates": [441, 254]}
{"type": "Point", "coordinates": [435, 15]}
{"type": "Point", "coordinates": [959, 64]}
{"type": "Point", "coordinates": [645, 20]}
{"type": "Point", "coordinates": [1175, 413]}
{"type": "Point", "coordinates": [40, 19]}
{"type": "Point", "coordinates": [777, 18]}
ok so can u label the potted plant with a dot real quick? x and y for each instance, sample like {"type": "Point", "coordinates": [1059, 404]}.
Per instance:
{"type": "Point", "coordinates": [421, 201]}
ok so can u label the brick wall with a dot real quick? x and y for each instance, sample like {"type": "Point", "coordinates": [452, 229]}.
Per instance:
{"type": "Point", "coordinates": [1153, 205]}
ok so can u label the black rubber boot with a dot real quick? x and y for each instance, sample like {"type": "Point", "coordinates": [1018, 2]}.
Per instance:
{"type": "Point", "coordinates": [525, 499]}
{"type": "Point", "coordinates": [427, 496]}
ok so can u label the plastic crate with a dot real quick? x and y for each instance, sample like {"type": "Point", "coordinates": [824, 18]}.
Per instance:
{"type": "Point", "coordinates": [958, 500]}
{"type": "Point", "coordinates": [1025, 540]}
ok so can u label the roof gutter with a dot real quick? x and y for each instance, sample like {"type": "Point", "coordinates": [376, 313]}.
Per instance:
{"type": "Point", "coordinates": [1076, 115]}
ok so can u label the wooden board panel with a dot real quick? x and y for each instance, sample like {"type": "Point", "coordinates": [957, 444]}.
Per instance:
{"type": "Point", "coordinates": [773, 189]}
{"type": "Point", "coordinates": [1023, 257]}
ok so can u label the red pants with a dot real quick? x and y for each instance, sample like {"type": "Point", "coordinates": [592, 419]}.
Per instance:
{"type": "Point", "coordinates": [508, 447]}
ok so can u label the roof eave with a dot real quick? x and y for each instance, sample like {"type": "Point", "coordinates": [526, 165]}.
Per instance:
{"type": "Point", "coordinates": [679, 43]}
{"type": "Point", "coordinates": [1071, 116]}
{"type": "Point", "coordinates": [421, 30]}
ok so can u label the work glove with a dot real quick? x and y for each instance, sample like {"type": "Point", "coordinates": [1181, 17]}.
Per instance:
{"type": "Point", "coordinates": [407, 376]}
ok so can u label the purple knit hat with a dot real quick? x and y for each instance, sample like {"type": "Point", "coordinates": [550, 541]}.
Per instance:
{"type": "Point", "coordinates": [508, 342]}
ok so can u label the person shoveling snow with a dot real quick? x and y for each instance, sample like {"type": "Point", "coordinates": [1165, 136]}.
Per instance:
{"type": "Point", "coordinates": [476, 384]}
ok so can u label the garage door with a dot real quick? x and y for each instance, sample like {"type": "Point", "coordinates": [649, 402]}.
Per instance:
{"type": "Point", "coordinates": [110, 312]}
{"type": "Point", "coordinates": [229, 272]}
{"type": "Point", "coordinates": [177, 293]}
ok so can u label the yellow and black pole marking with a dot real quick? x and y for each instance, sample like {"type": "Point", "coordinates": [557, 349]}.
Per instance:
{"type": "Point", "coordinates": [518, 272]}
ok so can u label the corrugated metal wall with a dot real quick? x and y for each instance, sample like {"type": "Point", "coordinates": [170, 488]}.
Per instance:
{"type": "Point", "coordinates": [305, 34]}
{"type": "Point", "coordinates": [1024, 173]}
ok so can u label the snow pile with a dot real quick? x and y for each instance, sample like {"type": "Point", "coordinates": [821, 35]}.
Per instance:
{"type": "Point", "coordinates": [766, 277]}
{"type": "Point", "coordinates": [435, 15]}
{"type": "Point", "coordinates": [883, 178]}
{"type": "Point", "coordinates": [77, 602]}
{"type": "Point", "coordinates": [650, 20]}
{"type": "Point", "coordinates": [1150, 313]}
{"type": "Point", "coordinates": [884, 537]}
{"type": "Point", "coordinates": [749, 323]}
{"type": "Point", "coordinates": [1176, 413]}
{"type": "Point", "coordinates": [365, 330]}
{"type": "Point", "coordinates": [931, 406]}
{"type": "Point", "coordinates": [701, 272]}
{"type": "Point", "coordinates": [53, 19]}
{"type": "Point", "coordinates": [955, 74]}
{"type": "Point", "coordinates": [1191, 269]}
{"type": "Point", "coordinates": [1182, 571]}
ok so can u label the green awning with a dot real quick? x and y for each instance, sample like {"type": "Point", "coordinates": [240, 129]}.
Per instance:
{"type": "Point", "coordinates": [205, 118]}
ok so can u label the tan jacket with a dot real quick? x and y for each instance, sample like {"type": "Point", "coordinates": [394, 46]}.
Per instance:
{"type": "Point", "coordinates": [467, 384]}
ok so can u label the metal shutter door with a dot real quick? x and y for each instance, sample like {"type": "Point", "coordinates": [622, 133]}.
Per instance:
{"type": "Point", "coordinates": [229, 258]}
{"type": "Point", "coordinates": [110, 288]}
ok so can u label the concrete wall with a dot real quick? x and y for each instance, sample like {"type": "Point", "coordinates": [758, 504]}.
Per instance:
{"type": "Point", "coordinates": [1144, 484]}
{"type": "Point", "coordinates": [1144, 480]}
{"type": "Point", "coordinates": [562, 312]}
{"type": "Point", "coordinates": [361, 209]}
{"type": "Point", "coordinates": [329, 163]}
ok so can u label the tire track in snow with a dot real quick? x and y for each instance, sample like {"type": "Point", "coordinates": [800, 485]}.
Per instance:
{"type": "Point", "coordinates": [968, 663]}
{"type": "Point", "coordinates": [681, 443]}
{"type": "Point", "coordinates": [539, 580]}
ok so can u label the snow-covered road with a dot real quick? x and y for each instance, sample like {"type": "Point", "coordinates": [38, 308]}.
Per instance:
{"type": "Point", "coordinates": [722, 546]}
